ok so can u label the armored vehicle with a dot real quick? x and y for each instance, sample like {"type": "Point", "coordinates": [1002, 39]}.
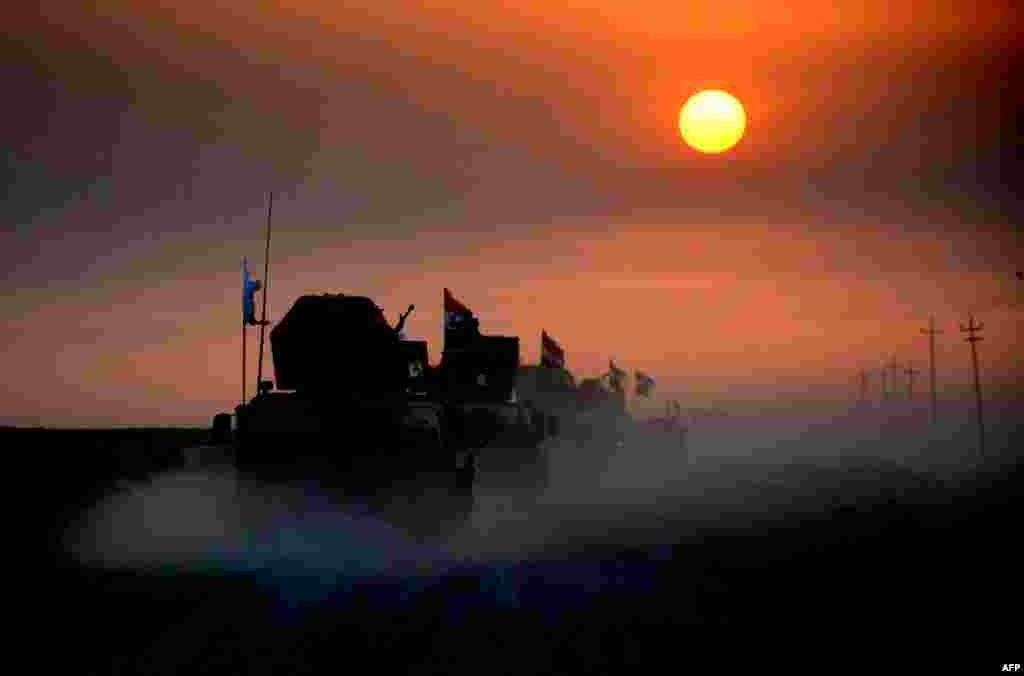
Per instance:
{"type": "Point", "coordinates": [595, 395]}
{"type": "Point", "coordinates": [354, 408]}
{"type": "Point", "coordinates": [551, 391]}
{"type": "Point", "coordinates": [478, 382]}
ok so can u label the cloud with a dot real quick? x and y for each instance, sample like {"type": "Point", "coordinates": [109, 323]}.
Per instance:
{"type": "Point", "coordinates": [641, 284]}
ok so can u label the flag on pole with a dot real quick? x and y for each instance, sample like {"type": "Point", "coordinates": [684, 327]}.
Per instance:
{"type": "Point", "coordinates": [249, 287]}
{"type": "Point", "coordinates": [551, 354]}
{"type": "Point", "coordinates": [455, 312]}
{"type": "Point", "coordinates": [644, 384]}
{"type": "Point", "coordinates": [459, 322]}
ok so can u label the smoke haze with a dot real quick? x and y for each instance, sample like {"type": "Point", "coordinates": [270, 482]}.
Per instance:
{"type": "Point", "coordinates": [608, 485]}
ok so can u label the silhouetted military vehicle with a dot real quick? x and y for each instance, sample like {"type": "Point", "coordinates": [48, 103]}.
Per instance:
{"type": "Point", "coordinates": [595, 395]}
{"type": "Point", "coordinates": [478, 380]}
{"type": "Point", "coordinates": [355, 408]}
{"type": "Point", "coordinates": [552, 391]}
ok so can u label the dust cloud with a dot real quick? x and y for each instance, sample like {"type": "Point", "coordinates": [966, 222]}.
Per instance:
{"type": "Point", "coordinates": [602, 484]}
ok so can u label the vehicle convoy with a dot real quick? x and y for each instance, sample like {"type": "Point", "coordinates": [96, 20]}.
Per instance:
{"type": "Point", "coordinates": [550, 391]}
{"type": "Point", "coordinates": [596, 395]}
{"type": "Point", "coordinates": [478, 379]}
{"type": "Point", "coordinates": [358, 409]}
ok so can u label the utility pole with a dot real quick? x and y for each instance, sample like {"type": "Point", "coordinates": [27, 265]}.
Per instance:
{"type": "Point", "coordinates": [931, 332]}
{"type": "Point", "coordinates": [863, 387]}
{"type": "Point", "coordinates": [971, 329]}
{"type": "Point", "coordinates": [895, 366]}
{"type": "Point", "coordinates": [911, 372]}
{"type": "Point", "coordinates": [885, 389]}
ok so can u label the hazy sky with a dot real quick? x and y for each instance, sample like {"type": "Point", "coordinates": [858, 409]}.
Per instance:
{"type": "Point", "coordinates": [526, 158]}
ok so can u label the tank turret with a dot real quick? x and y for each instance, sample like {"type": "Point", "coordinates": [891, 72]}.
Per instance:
{"type": "Point", "coordinates": [340, 344]}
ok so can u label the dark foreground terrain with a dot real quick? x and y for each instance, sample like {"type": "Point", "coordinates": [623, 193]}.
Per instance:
{"type": "Point", "coordinates": [866, 563]}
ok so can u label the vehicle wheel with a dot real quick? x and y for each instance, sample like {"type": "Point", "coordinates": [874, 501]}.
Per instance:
{"type": "Point", "coordinates": [555, 426]}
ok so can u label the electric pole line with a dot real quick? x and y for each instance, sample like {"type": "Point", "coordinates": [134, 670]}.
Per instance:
{"type": "Point", "coordinates": [885, 388]}
{"type": "Point", "coordinates": [931, 332]}
{"type": "Point", "coordinates": [863, 387]}
{"type": "Point", "coordinates": [971, 329]}
{"type": "Point", "coordinates": [895, 366]}
{"type": "Point", "coordinates": [911, 372]}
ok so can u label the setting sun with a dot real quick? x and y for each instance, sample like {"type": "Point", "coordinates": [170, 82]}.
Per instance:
{"type": "Point", "coordinates": [712, 121]}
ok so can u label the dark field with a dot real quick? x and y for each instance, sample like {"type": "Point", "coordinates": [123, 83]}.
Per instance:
{"type": "Point", "coordinates": [631, 557]}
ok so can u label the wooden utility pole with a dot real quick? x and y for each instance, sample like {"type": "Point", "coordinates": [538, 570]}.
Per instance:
{"type": "Point", "coordinates": [911, 372]}
{"type": "Point", "coordinates": [931, 332]}
{"type": "Point", "coordinates": [885, 389]}
{"type": "Point", "coordinates": [971, 329]}
{"type": "Point", "coordinates": [895, 366]}
{"type": "Point", "coordinates": [863, 387]}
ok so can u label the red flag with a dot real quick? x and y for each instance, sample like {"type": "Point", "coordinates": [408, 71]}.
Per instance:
{"type": "Point", "coordinates": [459, 324]}
{"type": "Point", "coordinates": [453, 306]}
{"type": "Point", "coordinates": [551, 355]}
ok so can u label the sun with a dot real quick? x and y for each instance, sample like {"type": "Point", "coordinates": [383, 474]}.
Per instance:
{"type": "Point", "coordinates": [712, 121]}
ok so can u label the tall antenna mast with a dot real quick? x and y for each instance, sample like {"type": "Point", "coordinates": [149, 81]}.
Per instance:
{"type": "Point", "coordinates": [266, 291]}
{"type": "Point", "coordinates": [245, 336]}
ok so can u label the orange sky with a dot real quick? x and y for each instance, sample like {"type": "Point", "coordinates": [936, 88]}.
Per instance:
{"type": "Point", "coordinates": [528, 160]}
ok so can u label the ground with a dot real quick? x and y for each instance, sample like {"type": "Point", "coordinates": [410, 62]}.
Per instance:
{"type": "Point", "coordinates": [853, 557]}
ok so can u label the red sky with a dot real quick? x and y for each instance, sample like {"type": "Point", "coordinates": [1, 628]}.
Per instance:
{"type": "Point", "coordinates": [526, 159]}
